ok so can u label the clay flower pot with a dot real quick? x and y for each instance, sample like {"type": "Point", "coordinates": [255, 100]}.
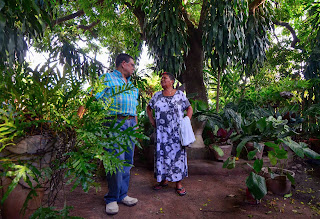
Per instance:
{"type": "Point", "coordinates": [227, 149]}
{"type": "Point", "coordinates": [14, 203]}
{"type": "Point", "coordinates": [250, 147]}
{"type": "Point", "coordinates": [280, 184]}
{"type": "Point", "coordinates": [36, 150]}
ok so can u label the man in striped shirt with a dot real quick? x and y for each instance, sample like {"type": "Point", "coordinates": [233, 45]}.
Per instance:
{"type": "Point", "coordinates": [123, 106]}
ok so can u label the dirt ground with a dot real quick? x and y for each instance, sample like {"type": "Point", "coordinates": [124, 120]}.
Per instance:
{"type": "Point", "coordinates": [212, 192]}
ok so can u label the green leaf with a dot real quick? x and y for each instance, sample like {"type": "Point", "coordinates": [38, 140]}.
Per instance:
{"type": "Point", "coordinates": [261, 124]}
{"type": "Point", "coordinates": [256, 185]}
{"type": "Point", "coordinates": [310, 153]}
{"type": "Point", "coordinates": [230, 163]}
{"type": "Point", "coordinates": [271, 144]}
{"type": "Point", "coordinates": [2, 4]}
{"type": "Point", "coordinates": [2, 21]}
{"type": "Point", "coordinates": [294, 146]}
{"type": "Point", "coordinates": [251, 154]}
{"type": "Point", "coordinates": [202, 105]}
{"type": "Point", "coordinates": [242, 143]}
{"type": "Point", "coordinates": [288, 195]}
{"type": "Point", "coordinates": [218, 150]}
{"type": "Point", "coordinates": [272, 158]}
{"type": "Point", "coordinates": [290, 177]}
{"type": "Point", "coordinates": [257, 165]}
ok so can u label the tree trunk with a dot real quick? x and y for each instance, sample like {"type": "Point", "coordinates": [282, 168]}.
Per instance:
{"type": "Point", "coordinates": [218, 89]}
{"type": "Point", "coordinates": [193, 75]}
{"type": "Point", "coordinates": [193, 80]}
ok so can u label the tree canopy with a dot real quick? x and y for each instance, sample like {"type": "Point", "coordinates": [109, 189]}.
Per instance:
{"type": "Point", "coordinates": [183, 36]}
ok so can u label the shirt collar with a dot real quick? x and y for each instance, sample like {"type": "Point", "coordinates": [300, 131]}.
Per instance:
{"type": "Point", "coordinates": [118, 73]}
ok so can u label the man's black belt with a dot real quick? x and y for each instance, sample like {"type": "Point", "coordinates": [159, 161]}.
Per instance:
{"type": "Point", "coordinates": [120, 117]}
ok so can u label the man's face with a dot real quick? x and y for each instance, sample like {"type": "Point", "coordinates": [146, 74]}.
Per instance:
{"type": "Point", "coordinates": [128, 67]}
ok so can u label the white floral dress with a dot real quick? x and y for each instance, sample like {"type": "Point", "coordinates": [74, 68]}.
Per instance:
{"type": "Point", "coordinates": [170, 157]}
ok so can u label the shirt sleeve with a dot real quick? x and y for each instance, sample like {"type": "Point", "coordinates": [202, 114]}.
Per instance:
{"type": "Point", "coordinates": [105, 93]}
{"type": "Point", "coordinates": [185, 101]}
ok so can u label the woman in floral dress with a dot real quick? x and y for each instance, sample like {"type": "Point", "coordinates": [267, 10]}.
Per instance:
{"type": "Point", "coordinates": [170, 163]}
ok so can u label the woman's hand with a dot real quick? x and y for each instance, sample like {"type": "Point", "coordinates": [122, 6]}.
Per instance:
{"type": "Point", "coordinates": [189, 112]}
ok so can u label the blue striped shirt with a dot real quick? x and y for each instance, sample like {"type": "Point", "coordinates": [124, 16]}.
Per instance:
{"type": "Point", "coordinates": [122, 103]}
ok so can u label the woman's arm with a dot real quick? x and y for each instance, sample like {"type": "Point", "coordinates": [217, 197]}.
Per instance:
{"type": "Point", "coordinates": [151, 119]}
{"type": "Point", "coordinates": [189, 111]}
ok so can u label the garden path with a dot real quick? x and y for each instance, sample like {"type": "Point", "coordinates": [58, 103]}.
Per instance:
{"type": "Point", "coordinates": [213, 192]}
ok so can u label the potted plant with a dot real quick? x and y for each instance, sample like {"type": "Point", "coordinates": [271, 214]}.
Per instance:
{"type": "Point", "coordinates": [259, 179]}
{"type": "Point", "coordinates": [278, 179]}
{"type": "Point", "coordinates": [262, 130]}
{"type": "Point", "coordinates": [251, 135]}
{"type": "Point", "coordinates": [33, 132]}
{"type": "Point", "coordinates": [312, 116]}
{"type": "Point", "coordinates": [221, 130]}
{"type": "Point", "coordinates": [220, 143]}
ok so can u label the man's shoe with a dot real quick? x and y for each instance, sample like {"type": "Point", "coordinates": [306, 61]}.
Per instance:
{"type": "Point", "coordinates": [112, 208]}
{"type": "Point", "coordinates": [128, 201]}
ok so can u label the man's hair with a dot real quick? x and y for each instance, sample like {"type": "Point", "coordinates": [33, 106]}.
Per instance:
{"type": "Point", "coordinates": [122, 57]}
{"type": "Point", "coordinates": [171, 76]}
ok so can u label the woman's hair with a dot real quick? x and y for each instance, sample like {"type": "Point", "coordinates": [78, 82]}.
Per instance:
{"type": "Point", "coordinates": [171, 76]}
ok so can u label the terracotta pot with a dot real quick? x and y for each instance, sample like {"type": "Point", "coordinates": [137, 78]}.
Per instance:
{"type": "Point", "coordinates": [250, 147]}
{"type": "Point", "coordinates": [227, 149]}
{"type": "Point", "coordinates": [12, 206]}
{"type": "Point", "coordinates": [280, 184]}
{"type": "Point", "coordinates": [26, 150]}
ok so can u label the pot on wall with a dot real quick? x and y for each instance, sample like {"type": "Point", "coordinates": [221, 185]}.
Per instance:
{"type": "Point", "coordinates": [38, 150]}
{"type": "Point", "coordinates": [13, 205]}
{"type": "Point", "coordinates": [197, 127]}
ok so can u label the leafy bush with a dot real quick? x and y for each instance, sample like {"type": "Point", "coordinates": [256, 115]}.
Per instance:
{"type": "Point", "coordinates": [40, 103]}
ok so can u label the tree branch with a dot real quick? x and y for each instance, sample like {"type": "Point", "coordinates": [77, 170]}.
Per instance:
{"type": "Point", "coordinates": [140, 15]}
{"type": "Point", "coordinates": [89, 27]}
{"type": "Point", "coordinates": [293, 33]}
{"type": "Point", "coordinates": [254, 5]}
{"type": "Point", "coordinates": [186, 17]}
{"type": "Point", "coordinates": [85, 28]}
{"type": "Point", "coordinates": [74, 15]}
{"type": "Point", "coordinates": [68, 17]}
{"type": "Point", "coordinates": [203, 14]}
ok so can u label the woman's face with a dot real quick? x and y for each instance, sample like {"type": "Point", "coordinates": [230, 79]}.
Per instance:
{"type": "Point", "coordinates": [166, 81]}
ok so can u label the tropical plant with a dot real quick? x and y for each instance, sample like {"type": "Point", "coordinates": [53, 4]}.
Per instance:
{"type": "Point", "coordinates": [37, 103]}
{"type": "Point", "coordinates": [220, 128]}
{"type": "Point", "coordinates": [20, 22]}
{"type": "Point", "coordinates": [269, 129]}
{"type": "Point", "coordinates": [311, 126]}
{"type": "Point", "coordinates": [45, 101]}
{"type": "Point", "coordinates": [50, 212]}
